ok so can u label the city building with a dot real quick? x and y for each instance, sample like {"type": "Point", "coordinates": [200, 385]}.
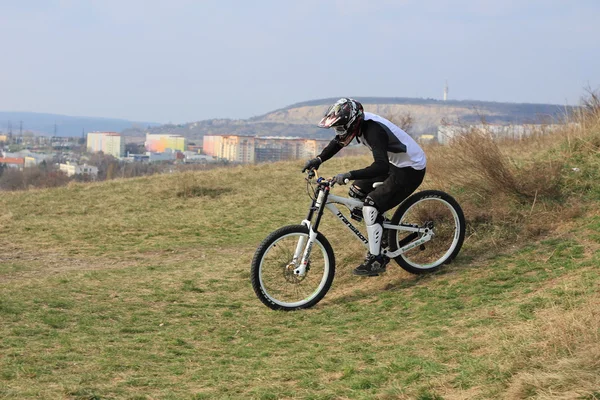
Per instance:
{"type": "Point", "coordinates": [230, 147]}
{"type": "Point", "coordinates": [161, 143]}
{"type": "Point", "coordinates": [251, 149]}
{"type": "Point", "coordinates": [12, 162]}
{"type": "Point", "coordinates": [61, 142]}
{"type": "Point", "coordinates": [4, 138]}
{"type": "Point", "coordinates": [194, 148]}
{"type": "Point", "coordinates": [425, 139]}
{"type": "Point", "coordinates": [31, 159]}
{"type": "Point", "coordinates": [137, 158]}
{"type": "Point", "coordinates": [195, 158]}
{"type": "Point", "coordinates": [158, 157]}
{"type": "Point", "coordinates": [36, 159]}
{"type": "Point", "coordinates": [447, 133]}
{"type": "Point", "coordinates": [74, 169]}
{"type": "Point", "coordinates": [107, 142]}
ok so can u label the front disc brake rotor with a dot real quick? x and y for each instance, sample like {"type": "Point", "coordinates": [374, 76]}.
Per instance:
{"type": "Point", "coordinates": [290, 276]}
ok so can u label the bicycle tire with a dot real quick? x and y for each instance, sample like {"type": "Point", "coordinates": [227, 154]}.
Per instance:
{"type": "Point", "coordinates": [260, 264]}
{"type": "Point", "coordinates": [403, 215]}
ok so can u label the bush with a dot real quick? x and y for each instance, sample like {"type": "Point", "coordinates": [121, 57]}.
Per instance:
{"type": "Point", "coordinates": [32, 177]}
{"type": "Point", "coordinates": [12, 179]}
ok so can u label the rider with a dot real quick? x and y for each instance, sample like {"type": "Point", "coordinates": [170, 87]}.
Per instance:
{"type": "Point", "coordinates": [399, 162]}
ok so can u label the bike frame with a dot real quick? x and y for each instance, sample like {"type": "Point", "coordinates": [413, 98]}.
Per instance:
{"type": "Point", "coordinates": [303, 248]}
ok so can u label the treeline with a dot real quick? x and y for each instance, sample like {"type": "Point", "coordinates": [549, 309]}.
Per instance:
{"type": "Point", "coordinates": [49, 176]}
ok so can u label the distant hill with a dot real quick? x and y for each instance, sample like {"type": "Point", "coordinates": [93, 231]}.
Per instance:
{"type": "Point", "coordinates": [300, 119]}
{"type": "Point", "coordinates": [44, 124]}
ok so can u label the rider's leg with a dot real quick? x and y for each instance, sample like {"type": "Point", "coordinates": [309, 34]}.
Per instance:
{"type": "Point", "coordinates": [356, 192]}
{"type": "Point", "coordinates": [362, 187]}
{"type": "Point", "coordinates": [396, 188]}
{"type": "Point", "coordinates": [374, 263]}
{"type": "Point", "coordinates": [402, 183]}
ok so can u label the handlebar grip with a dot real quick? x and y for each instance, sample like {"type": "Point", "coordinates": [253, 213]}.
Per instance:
{"type": "Point", "coordinates": [346, 181]}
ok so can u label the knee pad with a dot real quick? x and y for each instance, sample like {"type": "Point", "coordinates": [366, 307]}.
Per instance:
{"type": "Point", "coordinates": [374, 228]}
{"type": "Point", "coordinates": [369, 202]}
{"type": "Point", "coordinates": [356, 193]}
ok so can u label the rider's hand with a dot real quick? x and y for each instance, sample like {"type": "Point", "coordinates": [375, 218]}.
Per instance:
{"type": "Point", "coordinates": [340, 179]}
{"type": "Point", "coordinates": [312, 164]}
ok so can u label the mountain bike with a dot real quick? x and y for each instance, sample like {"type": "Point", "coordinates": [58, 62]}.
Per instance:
{"type": "Point", "coordinates": [294, 266]}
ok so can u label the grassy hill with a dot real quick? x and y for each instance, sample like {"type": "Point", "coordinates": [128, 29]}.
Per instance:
{"type": "Point", "coordinates": [139, 289]}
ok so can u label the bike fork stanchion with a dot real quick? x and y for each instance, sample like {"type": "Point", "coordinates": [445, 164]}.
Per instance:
{"type": "Point", "coordinates": [301, 270]}
{"type": "Point", "coordinates": [299, 249]}
{"type": "Point", "coordinates": [312, 231]}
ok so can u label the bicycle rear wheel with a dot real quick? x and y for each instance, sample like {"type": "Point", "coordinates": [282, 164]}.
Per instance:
{"type": "Point", "coordinates": [443, 215]}
{"type": "Point", "coordinates": [272, 270]}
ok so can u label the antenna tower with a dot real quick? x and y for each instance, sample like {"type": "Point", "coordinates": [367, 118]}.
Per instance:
{"type": "Point", "coordinates": [446, 91]}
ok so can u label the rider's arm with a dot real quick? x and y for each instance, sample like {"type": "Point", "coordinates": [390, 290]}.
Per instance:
{"type": "Point", "coordinates": [377, 139]}
{"type": "Point", "coordinates": [330, 150]}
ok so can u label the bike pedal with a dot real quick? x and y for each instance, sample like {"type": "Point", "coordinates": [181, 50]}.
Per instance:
{"type": "Point", "coordinates": [356, 214]}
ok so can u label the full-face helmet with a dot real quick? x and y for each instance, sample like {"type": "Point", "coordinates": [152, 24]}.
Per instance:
{"type": "Point", "coordinates": [345, 117]}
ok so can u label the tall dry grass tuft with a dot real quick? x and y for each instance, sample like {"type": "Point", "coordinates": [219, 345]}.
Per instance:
{"type": "Point", "coordinates": [584, 137]}
{"type": "Point", "coordinates": [512, 189]}
{"type": "Point", "coordinates": [480, 163]}
{"type": "Point", "coordinates": [505, 196]}
{"type": "Point", "coordinates": [590, 109]}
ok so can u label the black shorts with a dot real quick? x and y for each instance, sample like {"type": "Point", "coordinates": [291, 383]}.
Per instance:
{"type": "Point", "coordinates": [397, 186]}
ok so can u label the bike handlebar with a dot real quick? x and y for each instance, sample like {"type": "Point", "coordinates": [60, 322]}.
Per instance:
{"type": "Point", "coordinates": [313, 173]}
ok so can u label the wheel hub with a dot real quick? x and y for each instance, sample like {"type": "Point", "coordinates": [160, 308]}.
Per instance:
{"type": "Point", "coordinates": [290, 276]}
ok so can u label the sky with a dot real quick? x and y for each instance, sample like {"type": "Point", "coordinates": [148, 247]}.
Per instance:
{"type": "Point", "coordinates": [187, 60]}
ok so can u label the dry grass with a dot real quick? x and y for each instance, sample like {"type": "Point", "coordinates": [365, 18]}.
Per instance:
{"type": "Point", "coordinates": [513, 190]}
{"type": "Point", "coordinates": [567, 356]}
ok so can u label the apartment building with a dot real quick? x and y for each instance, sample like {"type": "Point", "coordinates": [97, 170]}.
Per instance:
{"type": "Point", "coordinates": [157, 143]}
{"type": "Point", "coordinates": [250, 149]}
{"type": "Point", "coordinates": [231, 147]}
{"type": "Point", "coordinates": [107, 142]}
{"type": "Point", "coordinates": [74, 169]}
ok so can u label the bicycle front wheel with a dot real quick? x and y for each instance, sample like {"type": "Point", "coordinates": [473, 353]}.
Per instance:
{"type": "Point", "coordinates": [438, 211]}
{"type": "Point", "coordinates": [272, 270]}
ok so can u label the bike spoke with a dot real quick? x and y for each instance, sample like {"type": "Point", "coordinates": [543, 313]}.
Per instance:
{"type": "Point", "coordinates": [440, 216]}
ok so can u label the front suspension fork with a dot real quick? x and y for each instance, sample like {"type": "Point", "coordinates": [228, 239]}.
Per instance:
{"type": "Point", "coordinates": [305, 249]}
{"type": "Point", "coordinates": [304, 245]}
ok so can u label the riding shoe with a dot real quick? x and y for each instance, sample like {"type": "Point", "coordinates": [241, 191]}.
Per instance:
{"type": "Point", "coordinates": [372, 266]}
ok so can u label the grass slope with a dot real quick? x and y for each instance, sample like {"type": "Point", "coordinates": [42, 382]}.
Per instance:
{"type": "Point", "coordinates": [139, 289]}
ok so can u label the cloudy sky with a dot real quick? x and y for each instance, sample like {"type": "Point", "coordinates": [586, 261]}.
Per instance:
{"type": "Point", "coordinates": [188, 60]}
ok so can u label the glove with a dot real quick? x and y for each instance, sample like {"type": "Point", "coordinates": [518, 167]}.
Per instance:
{"type": "Point", "coordinates": [312, 164]}
{"type": "Point", "coordinates": [340, 179]}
